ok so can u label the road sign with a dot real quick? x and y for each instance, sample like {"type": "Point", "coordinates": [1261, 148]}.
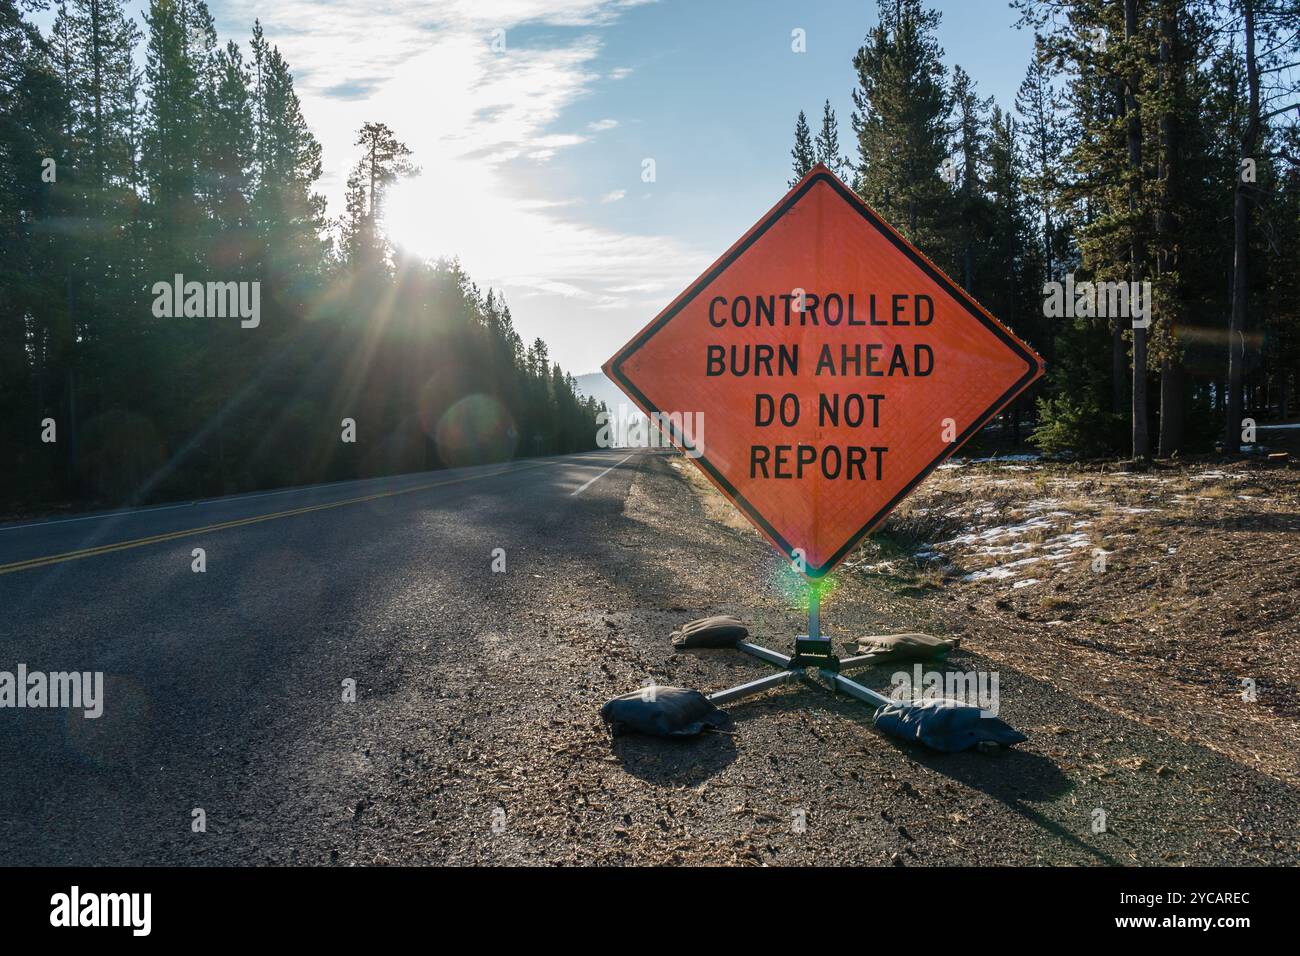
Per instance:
{"type": "Point", "coordinates": [831, 365]}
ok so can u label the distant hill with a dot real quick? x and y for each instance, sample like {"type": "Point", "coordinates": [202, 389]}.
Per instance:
{"type": "Point", "coordinates": [599, 387]}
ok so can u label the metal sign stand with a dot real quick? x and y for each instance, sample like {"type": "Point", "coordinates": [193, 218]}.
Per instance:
{"type": "Point", "coordinates": [814, 661]}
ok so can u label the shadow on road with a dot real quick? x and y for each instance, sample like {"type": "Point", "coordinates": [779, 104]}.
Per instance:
{"type": "Point", "coordinates": [1016, 778]}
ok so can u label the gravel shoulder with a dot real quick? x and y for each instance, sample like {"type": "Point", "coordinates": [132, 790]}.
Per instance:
{"type": "Point", "coordinates": [519, 769]}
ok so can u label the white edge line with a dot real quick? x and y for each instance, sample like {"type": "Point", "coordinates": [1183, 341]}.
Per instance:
{"type": "Point", "coordinates": [591, 482]}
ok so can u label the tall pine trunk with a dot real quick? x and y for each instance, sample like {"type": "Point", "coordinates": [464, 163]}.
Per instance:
{"type": "Point", "coordinates": [1240, 245]}
{"type": "Point", "coordinates": [1172, 387]}
{"type": "Point", "coordinates": [1141, 439]}
{"type": "Point", "coordinates": [1173, 406]}
{"type": "Point", "coordinates": [1118, 368]}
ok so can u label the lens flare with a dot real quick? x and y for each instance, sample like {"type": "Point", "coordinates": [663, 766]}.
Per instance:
{"type": "Point", "coordinates": [797, 589]}
{"type": "Point", "coordinates": [477, 430]}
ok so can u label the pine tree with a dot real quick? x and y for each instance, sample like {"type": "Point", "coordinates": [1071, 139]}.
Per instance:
{"type": "Point", "coordinates": [1108, 50]}
{"type": "Point", "coordinates": [802, 156]}
{"type": "Point", "coordinates": [230, 137]}
{"type": "Point", "coordinates": [900, 123]}
{"type": "Point", "coordinates": [33, 122]}
{"type": "Point", "coordinates": [383, 161]}
{"type": "Point", "coordinates": [969, 129]}
{"type": "Point", "coordinates": [1012, 267]}
{"type": "Point", "coordinates": [172, 136]}
{"type": "Point", "coordinates": [290, 215]}
{"type": "Point", "coordinates": [1134, 76]}
{"type": "Point", "coordinates": [356, 245]}
{"type": "Point", "coordinates": [1041, 128]}
{"type": "Point", "coordinates": [827, 145]}
{"type": "Point", "coordinates": [1269, 29]}
{"type": "Point", "coordinates": [100, 41]}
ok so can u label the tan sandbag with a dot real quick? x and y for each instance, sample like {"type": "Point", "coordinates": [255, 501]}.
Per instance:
{"type": "Point", "coordinates": [883, 648]}
{"type": "Point", "coordinates": [720, 631]}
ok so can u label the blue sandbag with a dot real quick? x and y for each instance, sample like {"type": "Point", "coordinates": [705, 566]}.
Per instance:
{"type": "Point", "coordinates": [662, 712]}
{"type": "Point", "coordinates": [944, 725]}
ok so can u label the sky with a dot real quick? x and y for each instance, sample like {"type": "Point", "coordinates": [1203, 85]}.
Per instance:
{"type": "Point", "coordinates": [531, 121]}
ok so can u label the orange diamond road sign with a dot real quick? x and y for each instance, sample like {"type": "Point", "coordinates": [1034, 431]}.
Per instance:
{"type": "Point", "coordinates": [833, 367]}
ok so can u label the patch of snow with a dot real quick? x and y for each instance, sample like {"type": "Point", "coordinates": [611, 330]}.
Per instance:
{"type": "Point", "coordinates": [992, 537]}
{"type": "Point", "coordinates": [989, 574]}
{"type": "Point", "coordinates": [995, 460]}
{"type": "Point", "coordinates": [1001, 572]}
{"type": "Point", "coordinates": [1001, 551]}
{"type": "Point", "coordinates": [1068, 541]}
{"type": "Point", "coordinates": [1024, 584]}
{"type": "Point", "coordinates": [878, 566]}
{"type": "Point", "coordinates": [1038, 504]}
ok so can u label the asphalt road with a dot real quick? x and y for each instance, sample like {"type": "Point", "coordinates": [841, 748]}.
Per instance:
{"type": "Point", "coordinates": [474, 735]}
{"type": "Point", "coordinates": [210, 673]}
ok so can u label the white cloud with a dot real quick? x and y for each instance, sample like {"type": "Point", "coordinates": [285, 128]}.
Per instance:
{"type": "Point", "coordinates": [508, 13]}
{"type": "Point", "coordinates": [477, 119]}
{"type": "Point", "coordinates": [350, 57]}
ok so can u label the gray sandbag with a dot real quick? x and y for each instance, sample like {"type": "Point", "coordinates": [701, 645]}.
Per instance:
{"type": "Point", "coordinates": [887, 648]}
{"type": "Point", "coordinates": [662, 712]}
{"type": "Point", "coordinates": [945, 725]}
{"type": "Point", "coordinates": [722, 630]}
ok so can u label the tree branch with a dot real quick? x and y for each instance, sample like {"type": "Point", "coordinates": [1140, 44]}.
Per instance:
{"type": "Point", "coordinates": [1278, 112]}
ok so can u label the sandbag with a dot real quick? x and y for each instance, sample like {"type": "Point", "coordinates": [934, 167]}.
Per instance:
{"type": "Point", "coordinates": [722, 630]}
{"type": "Point", "coordinates": [885, 648]}
{"type": "Point", "coordinates": [662, 712]}
{"type": "Point", "coordinates": [945, 725]}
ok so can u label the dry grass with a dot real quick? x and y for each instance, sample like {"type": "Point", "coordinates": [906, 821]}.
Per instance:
{"type": "Point", "coordinates": [1198, 589]}
{"type": "Point", "coordinates": [1198, 592]}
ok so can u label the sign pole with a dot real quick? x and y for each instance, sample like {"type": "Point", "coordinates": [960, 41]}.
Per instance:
{"type": "Point", "coordinates": [814, 649]}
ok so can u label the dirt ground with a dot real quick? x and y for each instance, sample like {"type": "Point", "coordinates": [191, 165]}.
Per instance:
{"type": "Point", "coordinates": [1169, 596]}
{"type": "Point", "coordinates": [1130, 675]}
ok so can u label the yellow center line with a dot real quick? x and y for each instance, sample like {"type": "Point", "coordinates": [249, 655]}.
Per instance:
{"type": "Point", "coordinates": [240, 522]}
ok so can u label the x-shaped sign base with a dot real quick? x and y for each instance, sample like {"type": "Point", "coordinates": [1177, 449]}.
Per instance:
{"type": "Point", "coordinates": [829, 675]}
